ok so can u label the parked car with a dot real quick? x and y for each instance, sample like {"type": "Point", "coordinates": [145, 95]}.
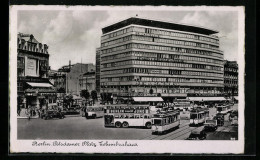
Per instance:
{"type": "Point", "coordinates": [52, 114]}
{"type": "Point", "coordinates": [74, 109]}
{"type": "Point", "coordinates": [210, 124]}
{"type": "Point", "coordinates": [197, 134]}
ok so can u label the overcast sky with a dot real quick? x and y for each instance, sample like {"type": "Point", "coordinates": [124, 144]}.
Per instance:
{"type": "Point", "coordinates": [75, 35]}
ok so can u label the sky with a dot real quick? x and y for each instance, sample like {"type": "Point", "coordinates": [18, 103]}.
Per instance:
{"type": "Point", "coordinates": [75, 34]}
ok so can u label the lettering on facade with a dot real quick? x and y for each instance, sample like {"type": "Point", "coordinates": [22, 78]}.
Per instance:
{"type": "Point", "coordinates": [31, 67]}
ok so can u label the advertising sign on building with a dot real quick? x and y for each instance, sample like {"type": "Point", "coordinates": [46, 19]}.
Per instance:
{"type": "Point", "coordinates": [31, 69]}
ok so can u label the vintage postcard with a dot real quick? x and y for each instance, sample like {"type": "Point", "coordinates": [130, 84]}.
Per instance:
{"type": "Point", "coordinates": [139, 79]}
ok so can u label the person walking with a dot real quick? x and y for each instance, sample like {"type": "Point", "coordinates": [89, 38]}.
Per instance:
{"type": "Point", "coordinates": [29, 112]}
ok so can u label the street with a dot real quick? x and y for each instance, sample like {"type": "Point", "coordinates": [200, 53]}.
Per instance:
{"type": "Point", "coordinates": [77, 127]}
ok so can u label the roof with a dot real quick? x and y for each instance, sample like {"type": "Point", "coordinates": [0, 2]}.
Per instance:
{"type": "Point", "coordinates": [207, 99]}
{"type": "Point", "coordinates": [165, 114]}
{"type": "Point", "coordinates": [158, 24]}
{"type": "Point", "coordinates": [199, 110]}
{"type": "Point", "coordinates": [33, 84]}
{"type": "Point", "coordinates": [148, 99]}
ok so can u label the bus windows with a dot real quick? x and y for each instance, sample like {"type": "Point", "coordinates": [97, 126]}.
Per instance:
{"type": "Point", "coordinates": [122, 116]}
{"type": "Point", "coordinates": [141, 116]}
{"type": "Point", "coordinates": [137, 116]}
{"type": "Point", "coordinates": [219, 108]}
{"type": "Point", "coordinates": [126, 116]}
{"type": "Point", "coordinates": [157, 122]}
{"type": "Point", "coordinates": [193, 116]}
{"type": "Point", "coordinates": [131, 116]}
{"type": "Point", "coordinates": [116, 116]}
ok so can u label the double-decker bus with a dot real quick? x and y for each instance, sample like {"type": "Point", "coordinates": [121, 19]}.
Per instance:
{"type": "Point", "coordinates": [165, 121]}
{"type": "Point", "coordinates": [198, 116]}
{"type": "Point", "coordinates": [126, 115]}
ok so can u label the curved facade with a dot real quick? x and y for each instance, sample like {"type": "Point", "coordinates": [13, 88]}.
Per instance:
{"type": "Point", "coordinates": [171, 59]}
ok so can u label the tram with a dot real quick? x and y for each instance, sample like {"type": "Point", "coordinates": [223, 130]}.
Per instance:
{"type": "Point", "coordinates": [198, 116]}
{"type": "Point", "coordinates": [165, 121]}
{"type": "Point", "coordinates": [224, 109]}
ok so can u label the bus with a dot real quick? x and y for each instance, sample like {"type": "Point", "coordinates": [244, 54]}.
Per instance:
{"type": "Point", "coordinates": [127, 115]}
{"type": "Point", "coordinates": [94, 112]}
{"type": "Point", "coordinates": [198, 116]}
{"type": "Point", "coordinates": [165, 121]}
{"type": "Point", "coordinates": [224, 109]}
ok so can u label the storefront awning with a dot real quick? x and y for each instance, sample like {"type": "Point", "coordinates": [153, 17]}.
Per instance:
{"type": "Point", "coordinates": [148, 99]}
{"type": "Point", "coordinates": [236, 97]}
{"type": "Point", "coordinates": [39, 84]}
{"type": "Point", "coordinates": [207, 98]}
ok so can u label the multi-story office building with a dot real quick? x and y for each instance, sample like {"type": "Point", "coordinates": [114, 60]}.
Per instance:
{"type": "Point", "coordinates": [231, 78]}
{"type": "Point", "coordinates": [33, 86]}
{"type": "Point", "coordinates": [175, 60]}
{"type": "Point", "coordinates": [98, 71]}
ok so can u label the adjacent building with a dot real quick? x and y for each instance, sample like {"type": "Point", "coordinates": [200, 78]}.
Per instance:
{"type": "Point", "coordinates": [72, 75]}
{"type": "Point", "coordinates": [98, 58]}
{"type": "Point", "coordinates": [231, 78]}
{"type": "Point", "coordinates": [87, 81]}
{"type": "Point", "coordinates": [173, 60]}
{"type": "Point", "coordinates": [58, 79]}
{"type": "Point", "coordinates": [33, 86]}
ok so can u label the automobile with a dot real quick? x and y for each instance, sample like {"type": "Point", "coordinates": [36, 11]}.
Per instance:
{"type": "Point", "coordinates": [74, 109]}
{"type": "Point", "coordinates": [220, 119]}
{"type": "Point", "coordinates": [197, 134]}
{"type": "Point", "coordinates": [233, 114]}
{"type": "Point", "coordinates": [52, 114]}
{"type": "Point", "coordinates": [210, 124]}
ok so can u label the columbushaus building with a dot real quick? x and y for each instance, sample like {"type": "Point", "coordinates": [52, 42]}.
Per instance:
{"type": "Point", "coordinates": [143, 57]}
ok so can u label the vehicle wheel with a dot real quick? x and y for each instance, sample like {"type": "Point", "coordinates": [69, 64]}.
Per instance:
{"type": "Point", "coordinates": [148, 125]}
{"type": "Point", "coordinates": [118, 124]}
{"type": "Point", "coordinates": [125, 125]}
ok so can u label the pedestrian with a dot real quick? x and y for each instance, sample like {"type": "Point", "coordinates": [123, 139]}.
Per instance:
{"type": "Point", "coordinates": [29, 112]}
{"type": "Point", "coordinates": [19, 110]}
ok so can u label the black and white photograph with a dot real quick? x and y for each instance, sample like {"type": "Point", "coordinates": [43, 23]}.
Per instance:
{"type": "Point", "coordinates": [89, 79]}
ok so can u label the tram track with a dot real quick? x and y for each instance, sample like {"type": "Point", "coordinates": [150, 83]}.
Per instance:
{"type": "Point", "coordinates": [154, 137]}
{"type": "Point", "coordinates": [185, 127]}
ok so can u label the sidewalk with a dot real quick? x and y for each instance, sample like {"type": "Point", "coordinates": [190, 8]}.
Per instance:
{"type": "Point", "coordinates": [23, 115]}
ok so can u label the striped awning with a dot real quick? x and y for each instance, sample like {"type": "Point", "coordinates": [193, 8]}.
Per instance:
{"type": "Point", "coordinates": [33, 84]}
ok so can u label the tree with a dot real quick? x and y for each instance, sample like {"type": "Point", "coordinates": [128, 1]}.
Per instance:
{"type": "Point", "coordinates": [151, 91]}
{"type": "Point", "coordinates": [84, 93]}
{"type": "Point", "coordinates": [68, 99]}
{"type": "Point", "coordinates": [94, 95]}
